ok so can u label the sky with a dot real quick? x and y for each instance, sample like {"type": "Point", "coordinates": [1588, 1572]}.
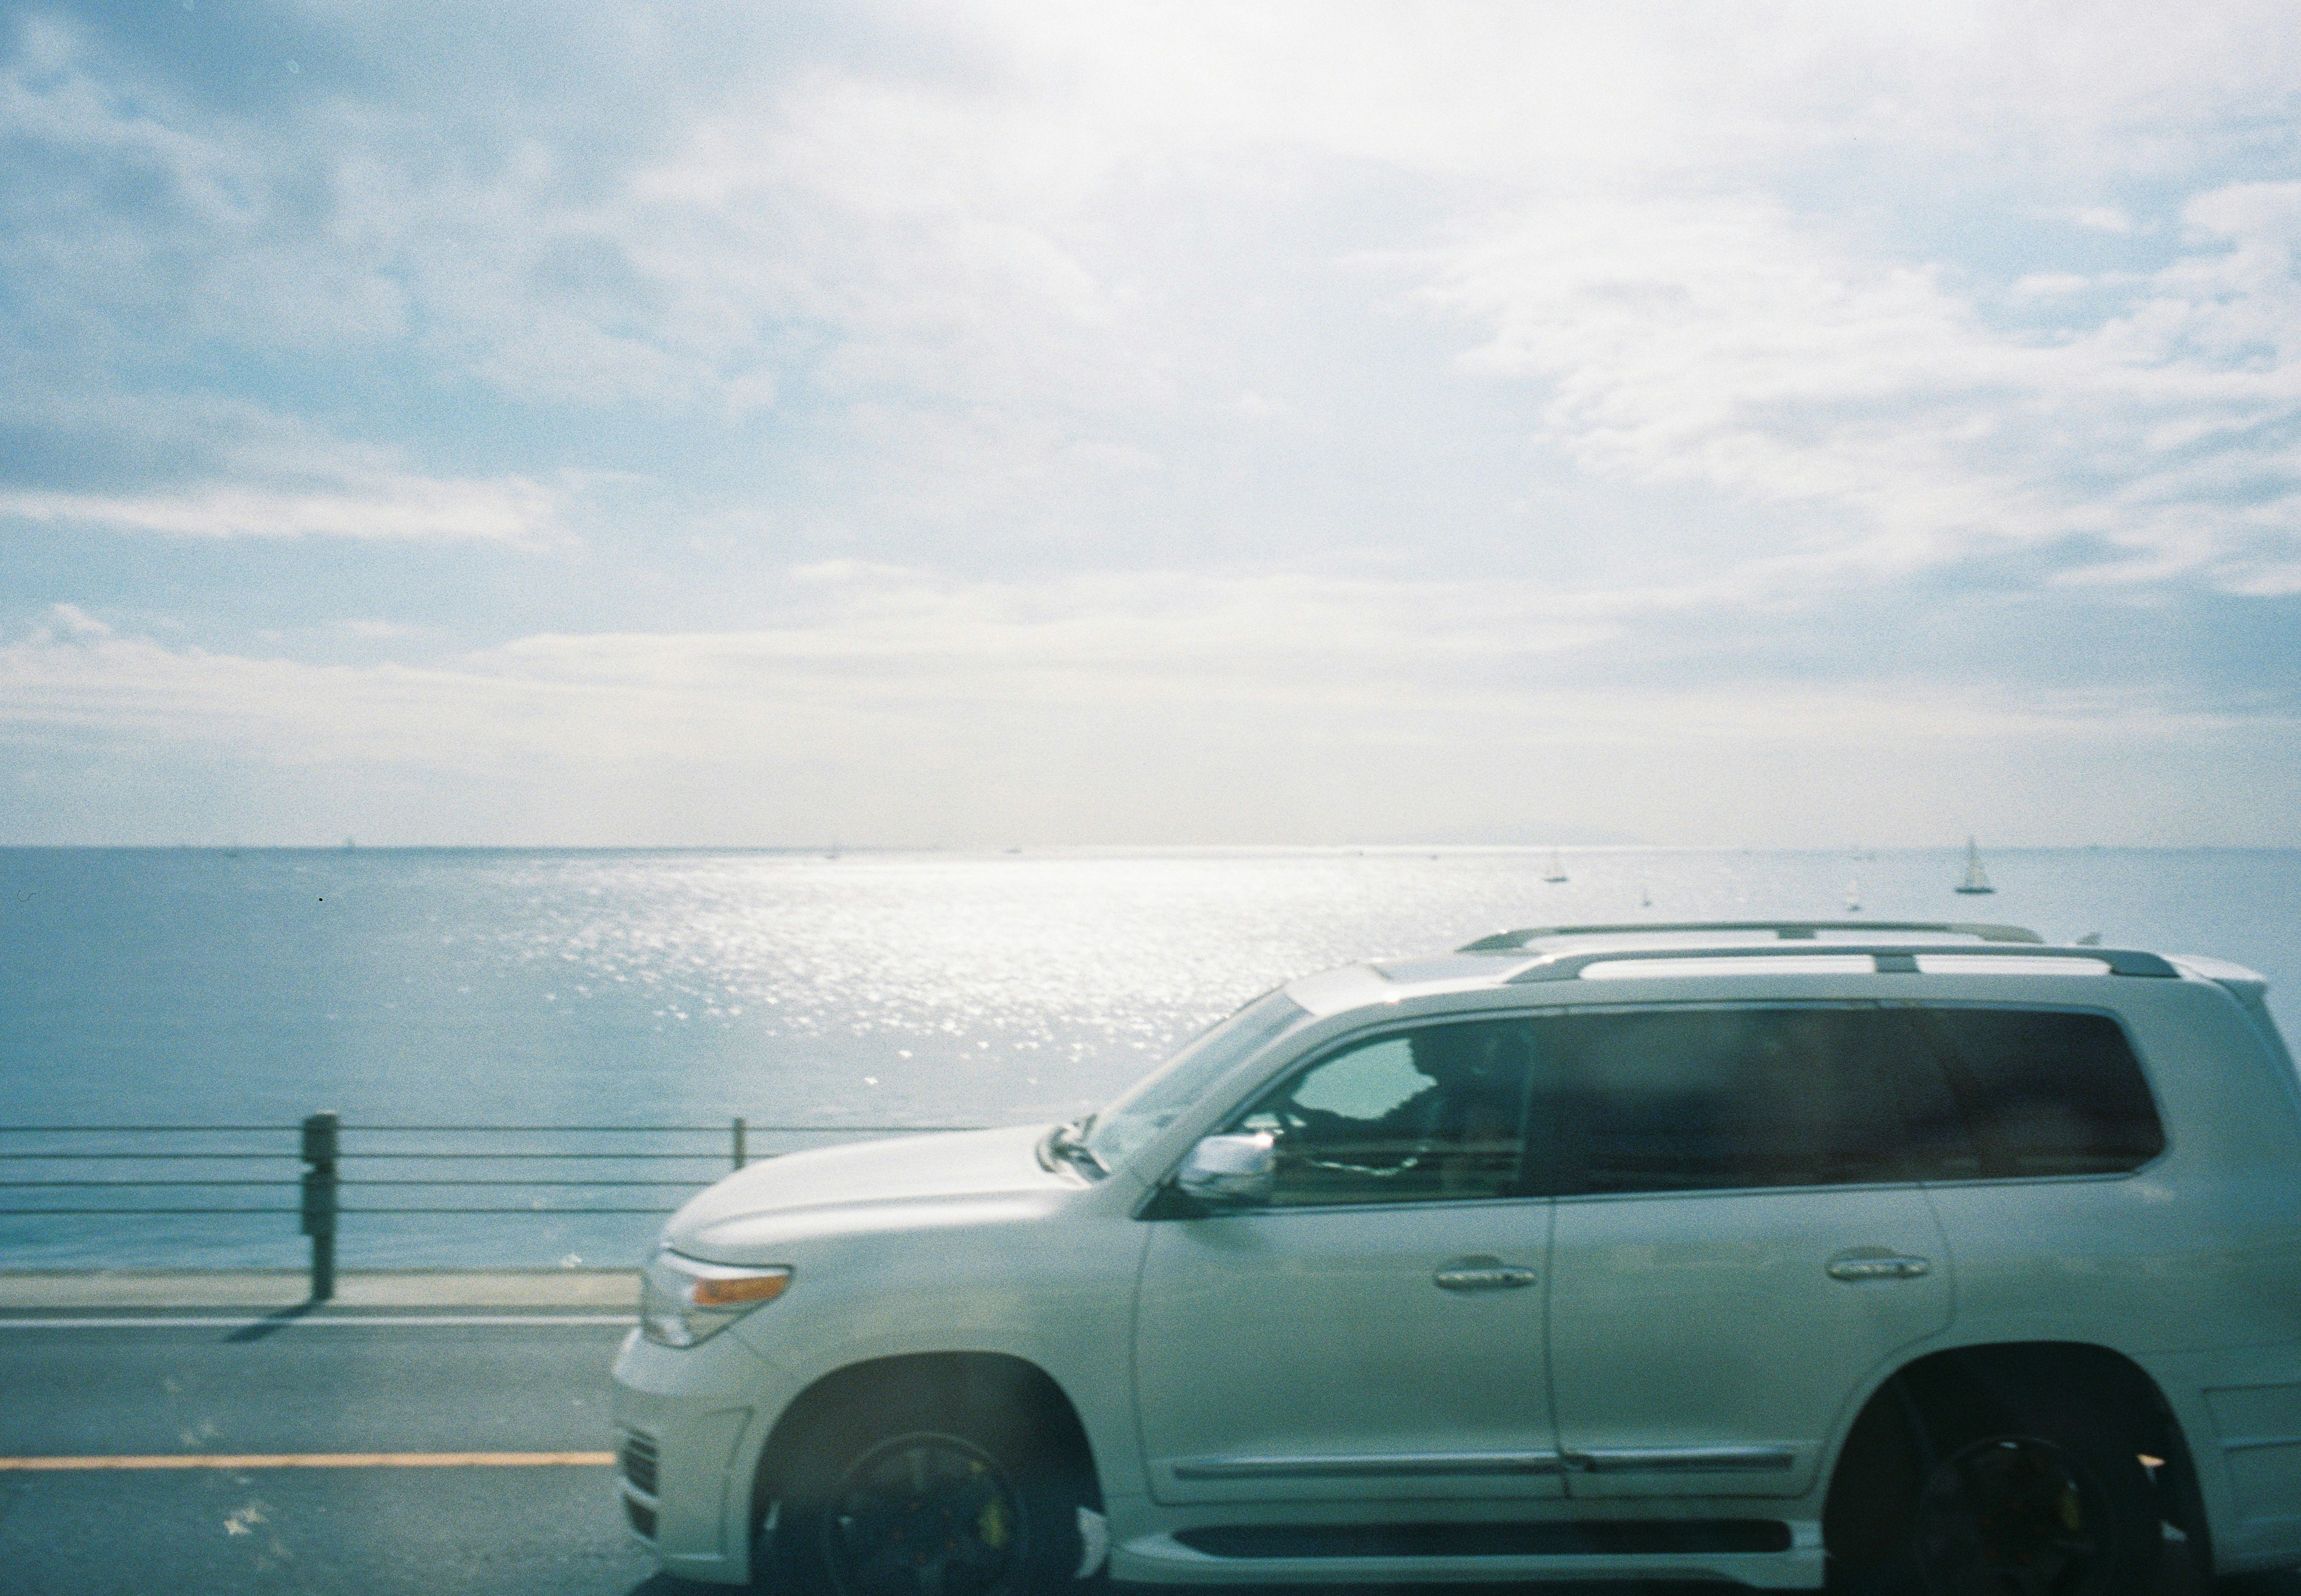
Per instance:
{"type": "Point", "coordinates": [1006, 425]}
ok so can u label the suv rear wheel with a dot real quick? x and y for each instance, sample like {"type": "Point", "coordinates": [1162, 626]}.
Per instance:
{"type": "Point", "coordinates": [2021, 1513]}
{"type": "Point", "coordinates": [2050, 1502]}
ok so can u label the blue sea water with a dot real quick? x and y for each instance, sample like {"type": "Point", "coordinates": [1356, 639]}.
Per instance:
{"type": "Point", "coordinates": [181, 986]}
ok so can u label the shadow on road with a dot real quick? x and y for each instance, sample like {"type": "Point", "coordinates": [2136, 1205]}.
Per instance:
{"type": "Point", "coordinates": [271, 1322]}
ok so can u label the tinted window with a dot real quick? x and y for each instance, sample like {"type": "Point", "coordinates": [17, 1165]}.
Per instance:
{"type": "Point", "coordinates": [2046, 1093]}
{"type": "Point", "coordinates": [1694, 1100]}
{"type": "Point", "coordinates": [1435, 1115]}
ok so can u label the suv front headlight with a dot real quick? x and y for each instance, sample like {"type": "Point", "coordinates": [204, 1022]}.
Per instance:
{"type": "Point", "coordinates": [682, 1301]}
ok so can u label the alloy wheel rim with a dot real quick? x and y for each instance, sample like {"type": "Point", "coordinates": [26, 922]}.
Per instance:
{"type": "Point", "coordinates": [924, 1514]}
{"type": "Point", "coordinates": [2014, 1516]}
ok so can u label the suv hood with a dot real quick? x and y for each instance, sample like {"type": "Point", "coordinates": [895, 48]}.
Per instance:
{"type": "Point", "coordinates": [905, 1183]}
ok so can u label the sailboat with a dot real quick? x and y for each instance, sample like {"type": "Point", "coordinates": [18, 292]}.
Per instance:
{"type": "Point", "coordinates": [1853, 897]}
{"type": "Point", "coordinates": [1977, 879]}
{"type": "Point", "coordinates": [1557, 871]}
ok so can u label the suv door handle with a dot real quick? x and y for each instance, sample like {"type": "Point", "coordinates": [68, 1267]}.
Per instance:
{"type": "Point", "coordinates": [1482, 1275]}
{"type": "Point", "coordinates": [1874, 1267]}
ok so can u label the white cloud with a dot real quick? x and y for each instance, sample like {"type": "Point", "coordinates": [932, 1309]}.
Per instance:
{"type": "Point", "coordinates": [391, 507]}
{"type": "Point", "coordinates": [67, 624]}
{"type": "Point", "coordinates": [1353, 663]}
{"type": "Point", "coordinates": [1169, 712]}
{"type": "Point", "coordinates": [1729, 342]}
{"type": "Point", "coordinates": [2100, 218]}
{"type": "Point", "coordinates": [1801, 300]}
{"type": "Point", "coordinates": [986, 265]}
{"type": "Point", "coordinates": [2047, 284]}
{"type": "Point", "coordinates": [203, 466]}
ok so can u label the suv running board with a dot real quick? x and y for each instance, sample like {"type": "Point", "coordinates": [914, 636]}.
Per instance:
{"type": "Point", "coordinates": [1594, 1537]}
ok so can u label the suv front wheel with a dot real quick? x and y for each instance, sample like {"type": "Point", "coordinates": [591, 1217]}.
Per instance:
{"type": "Point", "coordinates": [953, 1505]}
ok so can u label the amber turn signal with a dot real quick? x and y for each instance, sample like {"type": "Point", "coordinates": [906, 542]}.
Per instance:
{"type": "Point", "coordinates": [743, 1289]}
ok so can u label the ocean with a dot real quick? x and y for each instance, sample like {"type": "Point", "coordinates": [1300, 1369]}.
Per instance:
{"type": "Point", "coordinates": [495, 987]}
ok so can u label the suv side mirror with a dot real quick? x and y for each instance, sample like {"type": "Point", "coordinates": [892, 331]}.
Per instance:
{"type": "Point", "coordinates": [1230, 1171]}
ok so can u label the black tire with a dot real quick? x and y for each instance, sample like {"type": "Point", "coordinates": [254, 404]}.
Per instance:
{"type": "Point", "coordinates": [944, 1504]}
{"type": "Point", "coordinates": [2048, 1501]}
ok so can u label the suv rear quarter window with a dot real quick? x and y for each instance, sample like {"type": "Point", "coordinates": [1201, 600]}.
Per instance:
{"type": "Point", "coordinates": [2046, 1093]}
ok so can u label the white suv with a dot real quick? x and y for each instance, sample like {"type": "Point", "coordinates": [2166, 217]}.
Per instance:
{"type": "Point", "coordinates": [1897, 1253]}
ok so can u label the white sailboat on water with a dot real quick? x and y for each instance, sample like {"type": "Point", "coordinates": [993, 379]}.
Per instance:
{"type": "Point", "coordinates": [1977, 879]}
{"type": "Point", "coordinates": [1557, 871]}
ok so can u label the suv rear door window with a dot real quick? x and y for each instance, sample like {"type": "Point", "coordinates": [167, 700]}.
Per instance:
{"type": "Point", "coordinates": [1705, 1099]}
{"type": "Point", "coordinates": [2047, 1092]}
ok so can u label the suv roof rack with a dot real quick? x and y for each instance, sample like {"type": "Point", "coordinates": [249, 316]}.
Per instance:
{"type": "Point", "coordinates": [1786, 931]}
{"type": "Point", "coordinates": [1886, 958]}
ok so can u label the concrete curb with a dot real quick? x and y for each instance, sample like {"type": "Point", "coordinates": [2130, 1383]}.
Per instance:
{"type": "Point", "coordinates": [74, 1289]}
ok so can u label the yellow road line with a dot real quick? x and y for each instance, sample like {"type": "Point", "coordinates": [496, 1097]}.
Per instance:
{"type": "Point", "coordinates": [320, 1460]}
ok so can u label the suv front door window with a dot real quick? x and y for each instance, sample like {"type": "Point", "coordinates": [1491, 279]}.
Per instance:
{"type": "Point", "coordinates": [1437, 1113]}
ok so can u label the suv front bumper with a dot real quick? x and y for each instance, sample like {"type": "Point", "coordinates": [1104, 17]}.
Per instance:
{"type": "Point", "coordinates": [690, 1424]}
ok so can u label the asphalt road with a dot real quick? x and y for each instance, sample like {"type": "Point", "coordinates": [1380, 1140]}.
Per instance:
{"type": "Point", "coordinates": [447, 1383]}
{"type": "Point", "coordinates": [169, 1384]}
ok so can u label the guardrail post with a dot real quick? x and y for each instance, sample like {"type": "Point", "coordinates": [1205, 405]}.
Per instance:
{"type": "Point", "coordinates": [740, 1128]}
{"type": "Point", "coordinates": [320, 1201]}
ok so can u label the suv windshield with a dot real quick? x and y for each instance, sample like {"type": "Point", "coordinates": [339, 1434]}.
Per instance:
{"type": "Point", "coordinates": [1113, 1135]}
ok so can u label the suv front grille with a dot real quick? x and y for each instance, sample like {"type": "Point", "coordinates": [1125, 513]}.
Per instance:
{"type": "Point", "coordinates": [640, 1462]}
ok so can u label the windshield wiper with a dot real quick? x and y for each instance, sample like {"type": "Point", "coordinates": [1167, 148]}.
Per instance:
{"type": "Point", "coordinates": [1069, 1143]}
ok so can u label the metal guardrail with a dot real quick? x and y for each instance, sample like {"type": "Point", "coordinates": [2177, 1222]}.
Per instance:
{"type": "Point", "coordinates": [321, 1148]}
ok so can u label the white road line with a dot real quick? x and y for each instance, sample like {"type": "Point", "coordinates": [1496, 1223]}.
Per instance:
{"type": "Point", "coordinates": [313, 1322]}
